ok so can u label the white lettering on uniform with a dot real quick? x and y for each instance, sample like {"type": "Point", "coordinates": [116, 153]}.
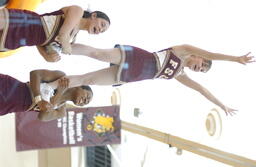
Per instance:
{"type": "Point", "coordinates": [163, 77]}
{"type": "Point", "coordinates": [173, 63]}
{"type": "Point", "coordinates": [168, 71]}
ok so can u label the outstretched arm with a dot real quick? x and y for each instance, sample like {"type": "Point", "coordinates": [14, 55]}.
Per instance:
{"type": "Point", "coordinates": [187, 50]}
{"type": "Point", "coordinates": [73, 15]}
{"type": "Point", "coordinates": [185, 80]}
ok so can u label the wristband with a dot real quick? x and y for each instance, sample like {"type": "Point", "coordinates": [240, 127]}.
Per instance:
{"type": "Point", "coordinates": [38, 98]}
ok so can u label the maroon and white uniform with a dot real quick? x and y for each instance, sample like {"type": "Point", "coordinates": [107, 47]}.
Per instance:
{"type": "Point", "coordinates": [15, 95]}
{"type": "Point", "coordinates": [168, 64]}
{"type": "Point", "coordinates": [138, 64]}
{"type": "Point", "coordinates": [27, 28]}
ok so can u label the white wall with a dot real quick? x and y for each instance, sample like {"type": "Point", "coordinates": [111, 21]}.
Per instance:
{"type": "Point", "coordinates": [224, 26]}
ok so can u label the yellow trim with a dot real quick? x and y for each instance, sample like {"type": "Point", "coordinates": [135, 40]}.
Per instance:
{"type": "Point", "coordinates": [24, 4]}
{"type": "Point", "coordinates": [20, 4]}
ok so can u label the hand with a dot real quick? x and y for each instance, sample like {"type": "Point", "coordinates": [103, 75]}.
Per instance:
{"type": "Point", "coordinates": [229, 111]}
{"type": "Point", "coordinates": [54, 57]}
{"type": "Point", "coordinates": [246, 59]}
{"type": "Point", "coordinates": [63, 83]}
{"type": "Point", "coordinates": [44, 106]}
{"type": "Point", "coordinates": [66, 48]}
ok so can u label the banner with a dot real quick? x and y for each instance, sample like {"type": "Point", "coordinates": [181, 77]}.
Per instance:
{"type": "Point", "coordinates": [91, 126]}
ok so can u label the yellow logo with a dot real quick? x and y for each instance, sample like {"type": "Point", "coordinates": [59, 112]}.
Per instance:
{"type": "Point", "coordinates": [101, 123]}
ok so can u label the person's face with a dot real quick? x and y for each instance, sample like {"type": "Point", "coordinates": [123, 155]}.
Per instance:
{"type": "Point", "coordinates": [97, 25]}
{"type": "Point", "coordinates": [82, 96]}
{"type": "Point", "coordinates": [197, 64]}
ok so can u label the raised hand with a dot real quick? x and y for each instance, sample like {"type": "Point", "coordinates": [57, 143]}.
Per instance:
{"type": "Point", "coordinates": [230, 111]}
{"type": "Point", "coordinates": [246, 59]}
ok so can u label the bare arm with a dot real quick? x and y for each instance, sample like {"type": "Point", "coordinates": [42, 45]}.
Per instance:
{"type": "Point", "coordinates": [38, 76]}
{"type": "Point", "coordinates": [185, 80]}
{"type": "Point", "coordinates": [73, 15]}
{"type": "Point", "coordinates": [52, 115]}
{"type": "Point", "coordinates": [186, 50]}
{"type": "Point", "coordinates": [74, 81]}
{"type": "Point", "coordinates": [48, 57]}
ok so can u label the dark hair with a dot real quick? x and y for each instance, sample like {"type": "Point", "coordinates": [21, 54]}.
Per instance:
{"type": "Point", "coordinates": [86, 87]}
{"type": "Point", "coordinates": [208, 64]}
{"type": "Point", "coordinates": [99, 15]}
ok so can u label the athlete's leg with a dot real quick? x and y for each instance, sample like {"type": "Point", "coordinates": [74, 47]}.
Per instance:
{"type": "Point", "coordinates": [105, 76]}
{"type": "Point", "coordinates": [107, 55]}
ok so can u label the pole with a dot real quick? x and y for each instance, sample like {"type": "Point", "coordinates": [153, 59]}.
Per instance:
{"type": "Point", "coordinates": [196, 148]}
